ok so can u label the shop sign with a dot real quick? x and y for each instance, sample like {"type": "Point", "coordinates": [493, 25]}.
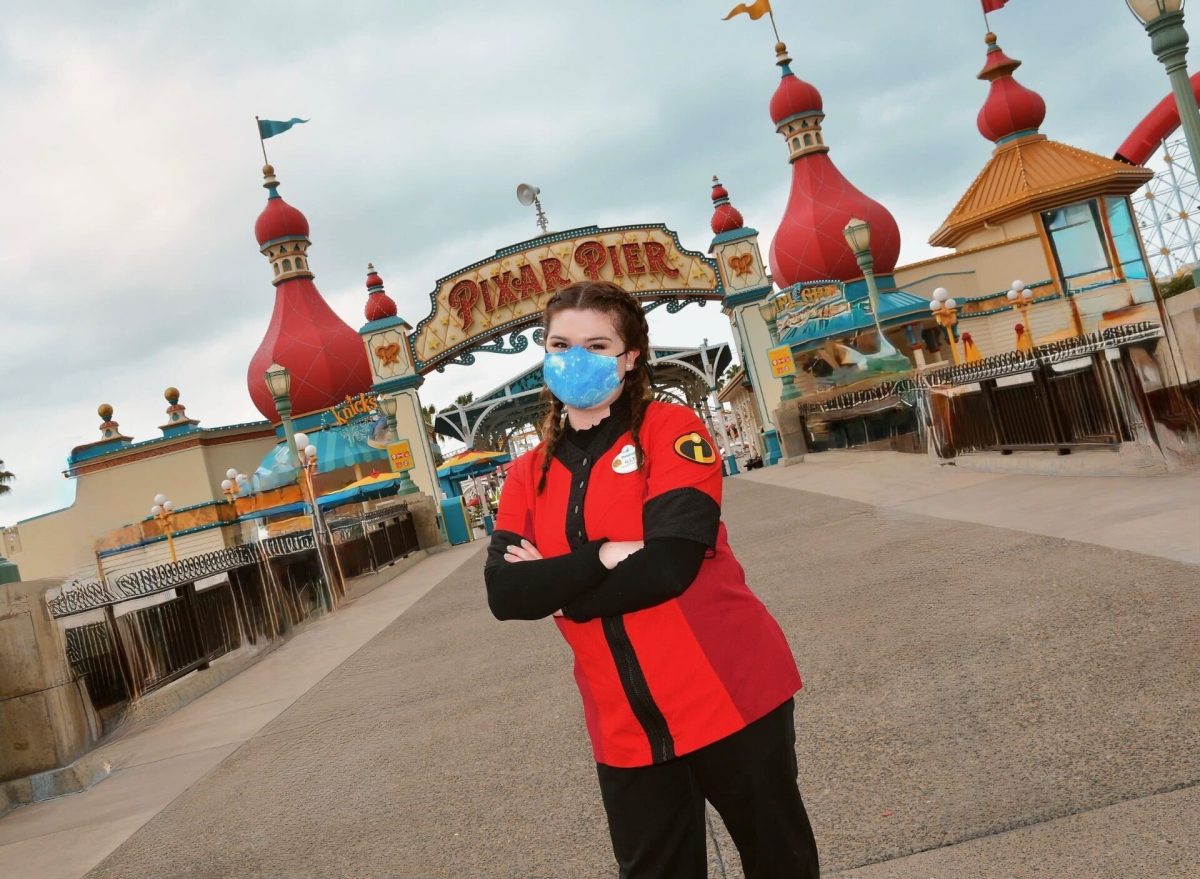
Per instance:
{"type": "Point", "coordinates": [509, 291]}
{"type": "Point", "coordinates": [804, 303]}
{"type": "Point", "coordinates": [400, 454]}
{"type": "Point", "coordinates": [782, 362]}
{"type": "Point", "coordinates": [353, 407]}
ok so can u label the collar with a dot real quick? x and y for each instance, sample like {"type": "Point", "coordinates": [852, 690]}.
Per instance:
{"type": "Point", "coordinates": [576, 446]}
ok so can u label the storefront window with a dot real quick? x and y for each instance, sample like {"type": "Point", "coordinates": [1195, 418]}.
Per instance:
{"type": "Point", "coordinates": [1125, 238]}
{"type": "Point", "coordinates": [1075, 233]}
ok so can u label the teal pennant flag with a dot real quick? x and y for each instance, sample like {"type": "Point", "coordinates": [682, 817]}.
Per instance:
{"type": "Point", "coordinates": [271, 127]}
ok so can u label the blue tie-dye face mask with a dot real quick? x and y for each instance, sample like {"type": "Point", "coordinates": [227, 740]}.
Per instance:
{"type": "Point", "coordinates": [580, 378]}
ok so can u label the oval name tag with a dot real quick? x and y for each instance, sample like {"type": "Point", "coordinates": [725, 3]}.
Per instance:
{"type": "Point", "coordinates": [626, 459]}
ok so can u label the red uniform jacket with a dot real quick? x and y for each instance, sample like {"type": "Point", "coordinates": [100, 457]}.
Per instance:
{"type": "Point", "coordinates": [665, 681]}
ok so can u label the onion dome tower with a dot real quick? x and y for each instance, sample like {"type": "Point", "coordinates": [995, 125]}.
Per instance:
{"type": "Point", "coordinates": [379, 304]}
{"type": "Point", "coordinates": [809, 245]}
{"type": "Point", "coordinates": [725, 218]}
{"type": "Point", "coordinates": [1011, 110]}
{"type": "Point", "coordinates": [324, 355]}
{"type": "Point", "coordinates": [1027, 172]}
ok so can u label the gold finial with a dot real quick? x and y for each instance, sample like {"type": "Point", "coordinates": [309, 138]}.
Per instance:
{"type": "Point", "coordinates": [269, 179]}
{"type": "Point", "coordinates": [781, 55]}
{"type": "Point", "coordinates": [105, 411]}
{"type": "Point", "coordinates": [171, 395]}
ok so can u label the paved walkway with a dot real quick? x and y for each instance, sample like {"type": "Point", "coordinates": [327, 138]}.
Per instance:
{"type": "Point", "coordinates": [1158, 515]}
{"type": "Point", "coordinates": [979, 701]}
{"type": "Point", "coordinates": [64, 838]}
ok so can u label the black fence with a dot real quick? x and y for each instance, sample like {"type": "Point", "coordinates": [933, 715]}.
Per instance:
{"type": "Point", "coordinates": [268, 589]}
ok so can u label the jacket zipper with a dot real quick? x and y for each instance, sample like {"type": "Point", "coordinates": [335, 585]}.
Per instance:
{"type": "Point", "coordinates": [637, 691]}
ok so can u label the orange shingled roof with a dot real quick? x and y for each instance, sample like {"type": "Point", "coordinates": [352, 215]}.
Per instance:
{"type": "Point", "coordinates": [1032, 174]}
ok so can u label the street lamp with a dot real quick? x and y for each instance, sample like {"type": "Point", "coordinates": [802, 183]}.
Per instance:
{"type": "Point", "coordinates": [1022, 297]}
{"type": "Point", "coordinates": [279, 383]}
{"type": "Point", "coordinates": [307, 454]}
{"type": "Point", "coordinates": [164, 511]}
{"type": "Point", "coordinates": [945, 312]}
{"type": "Point", "coordinates": [1163, 20]}
{"type": "Point", "coordinates": [234, 484]}
{"type": "Point", "coordinates": [858, 238]}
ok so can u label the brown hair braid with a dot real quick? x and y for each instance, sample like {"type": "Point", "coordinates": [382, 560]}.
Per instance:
{"type": "Point", "coordinates": [631, 326]}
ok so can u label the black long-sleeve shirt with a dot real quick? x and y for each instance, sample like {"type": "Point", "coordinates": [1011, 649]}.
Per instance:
{"type": "Point", "coordinates": [578, 583]}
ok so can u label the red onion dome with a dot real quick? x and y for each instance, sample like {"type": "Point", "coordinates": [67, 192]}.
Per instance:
{"type": "Point", "coordinates": [793, 97]}
{"type": "Point", "coordinates": [327, 359]}
{"type": "Point", "coordinates": [725, 218]}
{"type": "Point", "coordinates": [278, 219]}
{"type": "Point", "coordinates": [379, 304]}
{"type": "Point", "coordinates": [1010, 108]}
{"type": "Point", "coordinates": [809, 244]}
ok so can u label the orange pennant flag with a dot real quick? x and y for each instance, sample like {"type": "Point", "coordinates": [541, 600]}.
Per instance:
{"type": "Point", "coordinates": [755, 10]}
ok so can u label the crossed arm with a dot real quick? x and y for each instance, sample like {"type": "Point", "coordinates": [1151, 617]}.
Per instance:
{"type": "Point", "coordinates": [601, 578]}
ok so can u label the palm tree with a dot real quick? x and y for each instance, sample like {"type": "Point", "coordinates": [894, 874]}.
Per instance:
{"type": "Point", "coordinates": [5, 479]}
{"type": "Point", "coordinates": [465, 399]}
{"type": "Point", "coordinates": [430, 413]}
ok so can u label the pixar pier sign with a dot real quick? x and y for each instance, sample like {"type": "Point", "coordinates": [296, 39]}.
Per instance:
{"type": "Point", "coordinates": [507, 292]}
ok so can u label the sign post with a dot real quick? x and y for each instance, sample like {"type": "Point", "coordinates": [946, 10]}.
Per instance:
{"type": "Point", "coordinates": [782, 362]}
{"type": "Point", "coordinates": [401, 457]}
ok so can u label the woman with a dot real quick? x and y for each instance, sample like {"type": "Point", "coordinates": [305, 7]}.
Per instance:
{"type": "Point", "coordinates": [613, 527]}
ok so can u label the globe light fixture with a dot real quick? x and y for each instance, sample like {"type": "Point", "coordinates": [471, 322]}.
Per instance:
{"type": "Point", "coordinates": [858, 236]}
{"type": "Point", "coordinates": [945, 312]}
{"type": "Point", "coordinates": [279, 380]}
{"type": "Point", "coordinates": [1147, 11]}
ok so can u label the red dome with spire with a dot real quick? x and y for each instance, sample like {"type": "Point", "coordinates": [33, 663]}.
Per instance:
{"type": "Point", "coordinates": [278, 219]}
{"type": "Point", "coordinates": [725, 218]}
{"type": "Point", "coordinates": [793, 97]}
{"type": "Point", "coordinates": [1010, 108]}
{"type": "Point", "coordinates": [379, 304]}
{"type": "Point", "coordinates": [809, 244]}
{"type": "Point", "coordinates": [326, 358]}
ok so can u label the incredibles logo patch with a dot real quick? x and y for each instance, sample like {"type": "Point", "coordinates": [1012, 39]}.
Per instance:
{"type": "Point", "coordinates": [695, 448]}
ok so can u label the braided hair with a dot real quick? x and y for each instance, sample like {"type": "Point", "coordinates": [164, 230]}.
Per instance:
{"type": "Point", "coordinates": [630, 322]}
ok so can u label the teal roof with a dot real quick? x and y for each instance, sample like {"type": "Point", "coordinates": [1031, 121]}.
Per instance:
{"type": "Point", "coordinates": [359, 442]}
{"type": "Point", "coordinates": [895, 306]}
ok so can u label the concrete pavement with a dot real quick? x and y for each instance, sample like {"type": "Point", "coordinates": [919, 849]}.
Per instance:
{"type": "Point", "coordinates": [979, 701]}
{"type": "Point", "coordinates": [66, 837]}
{"type": "Point", "coordinates": [1158, 515]}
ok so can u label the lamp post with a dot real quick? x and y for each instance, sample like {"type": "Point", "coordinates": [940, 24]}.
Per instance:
{"type": "Point", "coordinates": [307, 454]}
{"type": "Point", "coordinates": [279, 383]}
{"type": "Point", "coordinates": [858, 238]}
{"type": "Point", "coordinates": [404, 485]}
{"type": "Point", "coordinates": [1163, 20]}
{"type": "Point", "coordinates": [1022, 298]}
{"type": "Point", "coordinates": [164, 511]}
{"type": "Point", "coordinates": [234, 484]}
{"type": "Point", "coordinates": [945, 312]}
{"type": "Point", "coordinates": [769, 308]}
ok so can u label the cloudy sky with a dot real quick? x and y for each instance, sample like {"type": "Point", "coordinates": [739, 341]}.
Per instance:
{"type": "Point", "coordinates": [131, 166]}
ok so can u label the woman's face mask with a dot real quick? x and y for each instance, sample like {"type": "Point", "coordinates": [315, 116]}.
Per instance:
{"type": "Point", "coordinates": [584, 354]}
{"type": "Point", "coordinates": [580, 378]}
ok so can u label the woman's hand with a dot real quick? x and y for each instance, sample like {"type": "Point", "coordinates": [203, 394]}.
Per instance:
{"type": "Point", "coordinates": [525, 552]}
{"type": "Point", "coordinates": [612, 554]}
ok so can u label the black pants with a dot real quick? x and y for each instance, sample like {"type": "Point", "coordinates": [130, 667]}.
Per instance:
{"type": "Point", "coordinates": [656, 813]}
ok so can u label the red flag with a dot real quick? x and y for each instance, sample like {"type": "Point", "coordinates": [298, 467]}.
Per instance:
{"type": "Point", "coordinates": [992, 5]}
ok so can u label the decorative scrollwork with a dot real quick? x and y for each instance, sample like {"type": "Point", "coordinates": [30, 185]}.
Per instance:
{"type": "Point", "coordinates": [79, 596]}
{"type": "Point", "coordinates": [173, 574]}
{"type": "Point", "coordinates": [288, 544]}
{"type": "Point", "coordinates": [1061, 351]}
{"type": "Point", "coordinates": [538, 336]}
